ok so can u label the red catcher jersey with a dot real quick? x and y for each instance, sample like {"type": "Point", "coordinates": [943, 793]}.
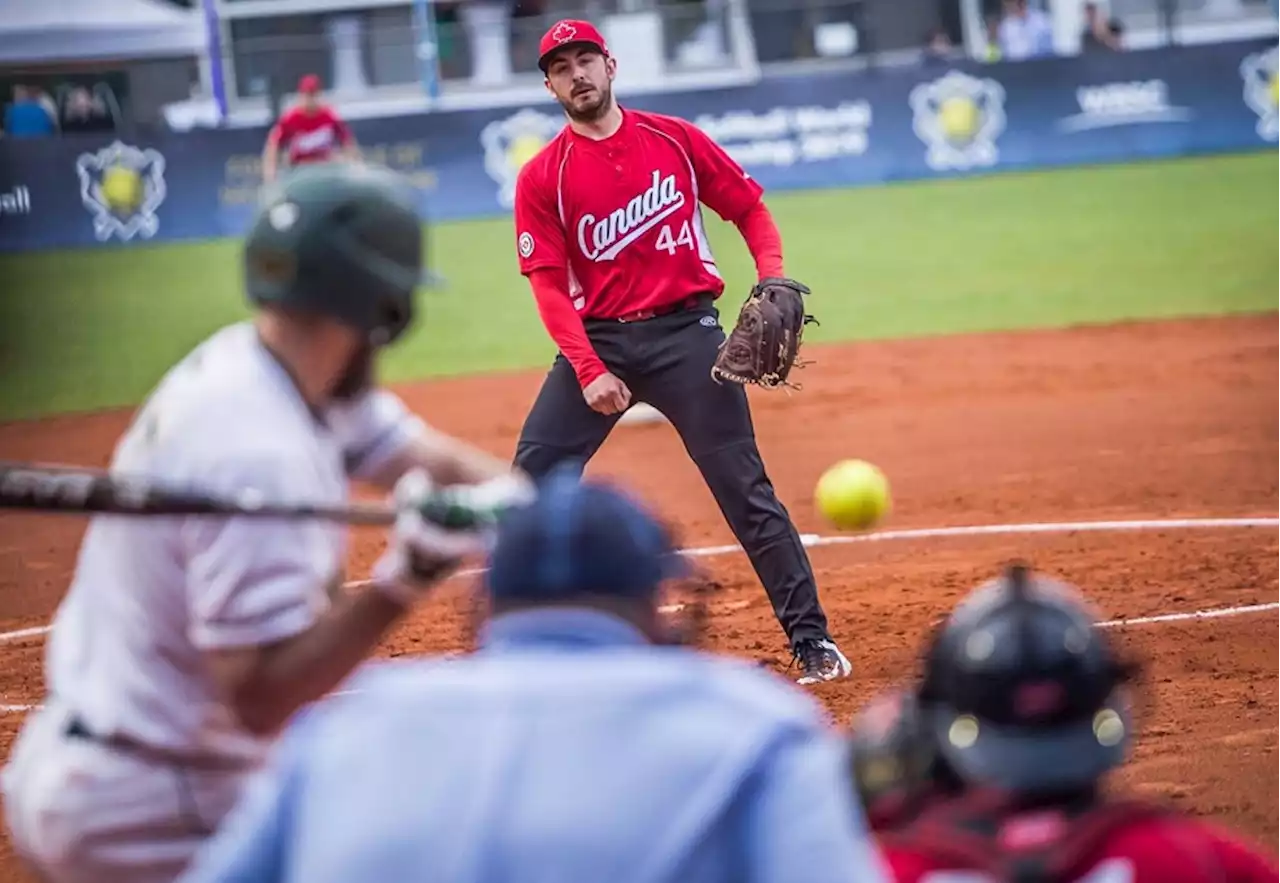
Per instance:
{"type": "Point", "coordinates": [311, 137]}
{"type": "Point", "coordinates": [1169, 849]}
{"type": "Point", "coordinates": [623, 214]}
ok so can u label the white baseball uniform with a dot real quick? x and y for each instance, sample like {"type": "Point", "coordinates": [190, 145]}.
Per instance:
{"type": "Point", "coordinates": [124, 662]}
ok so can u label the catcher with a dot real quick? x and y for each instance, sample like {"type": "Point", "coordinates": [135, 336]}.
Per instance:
{"type": "Point", "coordinates": [993, 766]}
{"type": "Point", "coordinates": [609, 232]}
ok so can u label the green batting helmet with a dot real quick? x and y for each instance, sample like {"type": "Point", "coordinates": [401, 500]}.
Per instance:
{"type": "Point", "coordinates": [342, 240]}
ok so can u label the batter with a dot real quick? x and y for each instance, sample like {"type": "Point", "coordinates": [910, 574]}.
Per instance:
{"type": "Point", "coordinates": [609, 233]}
{"type": "Point", "coordinates": [184, 644]}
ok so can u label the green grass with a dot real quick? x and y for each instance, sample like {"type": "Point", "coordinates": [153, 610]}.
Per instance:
{"type": "Point", "coordinates": [96, 328]}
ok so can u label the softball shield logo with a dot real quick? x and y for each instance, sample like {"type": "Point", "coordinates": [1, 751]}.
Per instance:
{"type": "Point", "coordinates": [959, 118]}
{"type": "Point", "coordinates": [1261, 90]}
{"type": "Point", "coordinates": [510, 143]}
{"type": "Point", "coordinates": [122, 186]}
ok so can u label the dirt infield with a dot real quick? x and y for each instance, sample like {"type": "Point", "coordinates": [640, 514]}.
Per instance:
{"type": "Point", "coordinates": [1137, 421]}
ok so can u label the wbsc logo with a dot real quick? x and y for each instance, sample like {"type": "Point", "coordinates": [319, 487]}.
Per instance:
{"type": "Point", "coordinates": [1123, 104]}
{"type": "Point", "coordinates": [122, 187]}
{"type": "Point", "coordinates": [959, 118]}
{"type": "Point", "coordinates": [510, 143]}
{"type": "Point", "coordinates": [1261, 91]}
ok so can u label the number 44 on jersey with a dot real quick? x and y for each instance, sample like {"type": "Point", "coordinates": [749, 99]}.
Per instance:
{"type": "Point", "coordinates": [669, 242]}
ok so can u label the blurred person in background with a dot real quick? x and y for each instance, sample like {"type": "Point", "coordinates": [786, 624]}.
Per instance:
{"type": "Point", "coordinates": [1100, 34]}
{"type": "Point", "coordinates": [938, 48]}
{"type": "Point", "coordinates": [526, 30]}
{"type": "Point", "coordinates": [27, 116]}
{"type": "Point", "coordinates": [447, 29]}
{"type": "Point", "coordinates": [83, 113]}
{"type": "Point", "coordinates": [583, 741]}
{"type": "Point", "coordinates": [1025, 32]}
{"type": "Point", "coordinates": [993, 765]}
{"type": "Point", "coordinates": [309, 132]}
{"type": "Point", "coordinates": [992, 52]}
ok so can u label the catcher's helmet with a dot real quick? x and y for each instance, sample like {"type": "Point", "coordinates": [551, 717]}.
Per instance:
{"type": "Point", "coordinates": [340, 239]}
{"type": "Point", "coordinates": [1022, 692]}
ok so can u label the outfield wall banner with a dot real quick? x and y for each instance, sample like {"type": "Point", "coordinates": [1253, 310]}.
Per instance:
{"type": "Point", "coordinates": [789, 132]}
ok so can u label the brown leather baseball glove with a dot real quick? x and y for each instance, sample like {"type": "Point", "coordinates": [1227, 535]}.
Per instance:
{"type": "Point", "coordinates": [764, 344]}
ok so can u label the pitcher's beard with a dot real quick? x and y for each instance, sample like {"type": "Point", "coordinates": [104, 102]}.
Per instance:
{"type": "Point", "coordinates": [591, 112]}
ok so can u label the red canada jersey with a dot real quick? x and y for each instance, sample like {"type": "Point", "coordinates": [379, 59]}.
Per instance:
{"type": "Point", "coordinates": [311, 137]}
{"type": "Point", "coordinates": [1123, 842]}
{"type": "Point", "coordinates": [623, 214]}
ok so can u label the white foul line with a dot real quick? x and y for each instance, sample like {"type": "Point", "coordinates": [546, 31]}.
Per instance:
{"type": "Point", "coordinates": [811, 540]}
{"type": "Point", "coordinates": [1214, 613]}
{"type": "Point", "coordinates": [23, 633]}
{"type": "Point", "coordinates": [926, 534]}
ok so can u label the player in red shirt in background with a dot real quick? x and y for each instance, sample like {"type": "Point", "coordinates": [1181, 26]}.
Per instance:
{"type": "Point", "coordinates": [609, 233]}
{"type": "Point", "coordinates": [309, 132]}
{"type": "Point", "coordinates": [992, 767]}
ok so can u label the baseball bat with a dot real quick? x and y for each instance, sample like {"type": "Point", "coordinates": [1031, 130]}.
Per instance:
{"type": "Point", "coordinates": [77, 490]}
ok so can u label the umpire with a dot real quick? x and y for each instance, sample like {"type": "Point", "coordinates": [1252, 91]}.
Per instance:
{"type": "Point", "coordinates": [578, 743]}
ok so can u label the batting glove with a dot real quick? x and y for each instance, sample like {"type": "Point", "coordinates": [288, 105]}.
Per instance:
{"type": "Point", "coordinates": [437, 528]}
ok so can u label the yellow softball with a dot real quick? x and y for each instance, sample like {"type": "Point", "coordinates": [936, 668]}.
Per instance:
{"type": "Point", "coordinates": [853, 495]}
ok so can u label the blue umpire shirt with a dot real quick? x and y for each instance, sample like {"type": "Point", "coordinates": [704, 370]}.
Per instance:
{"type": "Point", "coordinates": [566, 750]}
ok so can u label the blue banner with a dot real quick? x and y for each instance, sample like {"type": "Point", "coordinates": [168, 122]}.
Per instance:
{"type": "Point", "coordinates": [790, 132]}
{"type": "Point", "coordinates": [213, 37]}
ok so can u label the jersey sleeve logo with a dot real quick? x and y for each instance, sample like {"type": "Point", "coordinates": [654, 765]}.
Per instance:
{"type": "Point", "coordinates": [525, 244]}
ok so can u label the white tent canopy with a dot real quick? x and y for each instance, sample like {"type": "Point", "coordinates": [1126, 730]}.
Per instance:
{"type": "Point", "coordinates": [75, 30]}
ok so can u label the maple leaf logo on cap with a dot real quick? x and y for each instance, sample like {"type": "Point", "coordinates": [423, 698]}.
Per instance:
{"type": "Point", "coordinates": [564, 32]}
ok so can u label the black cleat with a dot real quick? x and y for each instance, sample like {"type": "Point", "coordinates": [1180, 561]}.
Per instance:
{"type": "Point", "coordinates": [820, 661]}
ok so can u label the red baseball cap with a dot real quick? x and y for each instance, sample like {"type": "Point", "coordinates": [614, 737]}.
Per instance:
{"type": "Point", "coordinates": [309, 84]}
{"type": "Point", "coordinates": [569, 32]}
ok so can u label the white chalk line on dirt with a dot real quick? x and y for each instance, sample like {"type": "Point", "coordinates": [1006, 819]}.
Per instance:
{"type": "Point", "coordinates": [974, 530]}
{"type": "Point", "coordinates": [811, 540]}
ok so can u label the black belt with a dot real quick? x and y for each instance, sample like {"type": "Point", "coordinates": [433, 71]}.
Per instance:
{"type": "Point", "coordinates": [77, 729]}
{"type": "Point", "coordinates": [178, 765]}
{"type": "Point", "coordinates": [694, 302]}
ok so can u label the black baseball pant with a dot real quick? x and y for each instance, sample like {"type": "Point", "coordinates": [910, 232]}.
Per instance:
{"type": "Point", "coordinates": [666, 361]}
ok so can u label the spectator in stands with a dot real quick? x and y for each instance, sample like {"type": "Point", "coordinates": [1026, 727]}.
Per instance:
{"type": "Point", "coordinates": [527, 26]}
{"type": "Point", "coordinates": [45, 100]}
{"type": "Point", "coordinates": [1024, 32]}
{"type": "Point", "coordinates": [448, 26]}
{"type": "Point", "coordinates": [83, 113]}
{"type": "Point", "coordinates": [938, 48]}
{"type": "Point", "coordinates": [27, 116]}
{"type": "Point", "coordinates": [1101, 34]}
{"type": "Point", "coordinates": [992, 53]}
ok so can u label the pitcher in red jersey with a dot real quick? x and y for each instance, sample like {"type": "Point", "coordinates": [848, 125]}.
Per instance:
{"type": "Point", "coordinates": [309, 132]}
{"type": "Point", "coordinates": [609, 232]}
{"type": "Point", "coordinates": [991, 768]}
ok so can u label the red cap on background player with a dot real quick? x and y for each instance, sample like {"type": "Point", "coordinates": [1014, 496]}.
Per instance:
{"type": "Point", "coordinates": [566, 33]}
{"type": "Point", "coordinates": [309, 84]}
